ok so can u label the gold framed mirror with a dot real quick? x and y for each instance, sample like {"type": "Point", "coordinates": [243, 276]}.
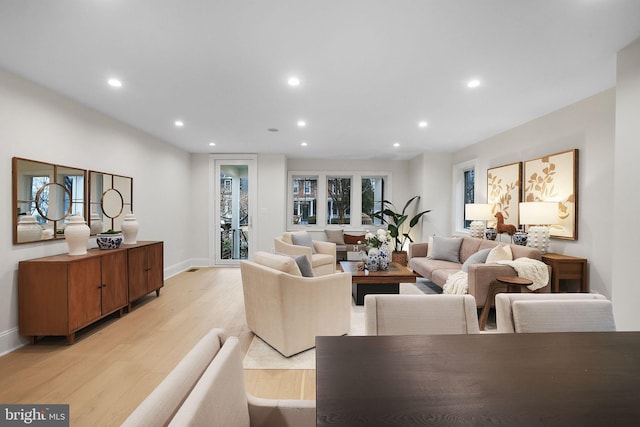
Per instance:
{"type": "Point", "coordinates": [110, 199]}
{"type": "Point", "coordinates": [45, 195]}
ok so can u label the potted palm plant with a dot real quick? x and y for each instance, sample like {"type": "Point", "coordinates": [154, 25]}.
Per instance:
{"type": "Point", "coordinates": [396, 224]}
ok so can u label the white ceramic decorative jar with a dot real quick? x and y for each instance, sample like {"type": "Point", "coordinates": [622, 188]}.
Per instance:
{"type": "Point", "coordinates": [28, 229]}
{"type": "Point", "coordinates": [76, 234]}
{"type": "Point", "coordinates": [129, 229]}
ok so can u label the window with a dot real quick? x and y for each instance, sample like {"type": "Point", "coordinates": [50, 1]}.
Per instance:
{"type": "Point", "coordinates": [305, 202]}
{"type": "Point", "coordinates": [463, 192]}
{"type": "Point", "coordinates": [469, 180]}
{"type": "Point", "coordinates": [372, 197]}
{"type": "Point", "coordinates": [338, 200]}
{"type": "Point", "coordinates": [348, 199]}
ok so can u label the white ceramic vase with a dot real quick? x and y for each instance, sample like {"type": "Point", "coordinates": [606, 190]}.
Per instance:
{"type": "Point", "coordinates": [76, 234]}
{"type": "Point", "coordinates": [28, 229]}
{"type": "Point", "coordinates": [130, 229]}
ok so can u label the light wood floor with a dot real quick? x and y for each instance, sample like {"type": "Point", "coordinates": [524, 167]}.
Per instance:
{"type": "Point", "coordinates": [114, 364]}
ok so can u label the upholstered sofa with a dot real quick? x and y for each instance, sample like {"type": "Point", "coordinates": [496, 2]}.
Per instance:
{"type": "Point", "coordinates": [288, 310]}
{"type": "Point", "coordinates": [480, 275]}
{"type": "Point", "coordinates": [206, 388]}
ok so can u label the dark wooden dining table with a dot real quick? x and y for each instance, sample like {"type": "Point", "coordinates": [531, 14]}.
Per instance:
{"type": "Point", "coordinates": [552, 379]}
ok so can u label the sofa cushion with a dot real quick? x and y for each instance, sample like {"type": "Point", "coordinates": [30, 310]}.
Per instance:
{"type": "Point", "coordinates": [479, 257]}
{"type": "Point", "coordinates": [470, 245]}
{"type": "Point", "coordinates": [500, 253]}
{"type": "Point", "coordinates": [446, 248]}
{"type": "Point", "coordinates": [335, 236]}
{"type": "Point", "coordinates": [279, 262]}
{"type": "Point", "coordinates": [352, 239]}
{"type": "Point", "coordinates": [304, 265]}
{"type": "Point", "coordinates": [302, 238]}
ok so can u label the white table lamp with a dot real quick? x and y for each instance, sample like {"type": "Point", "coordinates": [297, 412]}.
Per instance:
{"type": "Point", "coordinates": [539, 216]}
{"type": "Point", "coordinates": [478, 213]}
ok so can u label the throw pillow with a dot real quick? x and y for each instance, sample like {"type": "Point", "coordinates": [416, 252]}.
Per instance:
{"type": "Point", "coordinates": [446, 248]}
{"type": "Point", "coordinates": [430, 247]}
{"type": "Point", "coordinates": [335, 236]}
{"type": "Point", "coordinates": [500, 253]}
{"type": "Point", "coordinates": [479, 257]}
{"type": "Point", "coordinates": [302, 238]}
{"type": "Point", "coordinates": [351, 239]}
{"type": "Point", "coordinates": [304, 265]}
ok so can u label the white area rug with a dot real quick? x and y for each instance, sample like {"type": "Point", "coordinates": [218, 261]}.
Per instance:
{"type": "Point", "coordinates": [262, 356]}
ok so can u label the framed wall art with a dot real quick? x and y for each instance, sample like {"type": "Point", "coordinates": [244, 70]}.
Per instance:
{"type": "Point", "coordinates": [504, 191]}
{"type": "Point", "coordinates": [554, 178]}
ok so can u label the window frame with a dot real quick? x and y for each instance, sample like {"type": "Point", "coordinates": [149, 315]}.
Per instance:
{"type": "Point", "coordinates": [323, 198]}
{"type": "Point", "coordinates": [458, 192]}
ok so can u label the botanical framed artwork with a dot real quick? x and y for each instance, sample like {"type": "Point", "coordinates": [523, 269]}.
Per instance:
{"type": "Point", "coordinates": [504, 191]}
{"type": "Point", "coordinates": [554, 178]}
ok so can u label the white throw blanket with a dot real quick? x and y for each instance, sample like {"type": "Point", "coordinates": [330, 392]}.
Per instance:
{"type": "Point", "coordinates": [527, 268]}
{"type": "Point", "coordinates": [457, 283]}
{"type": "Point", "coordinates": [531, 269]}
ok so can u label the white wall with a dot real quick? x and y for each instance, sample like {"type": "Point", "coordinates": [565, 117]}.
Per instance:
{"type": "Point", "coordinates": [622, 225]}
{"type": "Point", "coordinates": [41, 125]}
{"type": "Point", "coordinates": [587, 125]}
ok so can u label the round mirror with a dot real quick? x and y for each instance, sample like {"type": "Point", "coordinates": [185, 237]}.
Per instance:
{"type": "Point", "coordinates": [53, 201]}
{"type": "Point", "coordinates": [112, 203]}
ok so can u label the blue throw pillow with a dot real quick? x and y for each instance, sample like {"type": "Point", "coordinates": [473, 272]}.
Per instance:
{"type": "Point", "coordinates": [479, 257]}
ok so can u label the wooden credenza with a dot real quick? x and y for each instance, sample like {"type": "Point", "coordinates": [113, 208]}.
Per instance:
{"type": "Point", "coordinates": [60, 294]}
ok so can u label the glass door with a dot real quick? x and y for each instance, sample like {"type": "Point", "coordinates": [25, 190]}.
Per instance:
{"type": "Point", "coordinates": [234, 205]}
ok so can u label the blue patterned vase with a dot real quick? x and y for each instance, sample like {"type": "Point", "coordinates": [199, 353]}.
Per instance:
{"type": "Point", "coordinates": [490, 233]}
{"type": "Point", "coordinates": [520, 238]}
{"type": "Point", "coordinates": [384, 258]}
{"type": "Point", "coordinates": [372, 259]}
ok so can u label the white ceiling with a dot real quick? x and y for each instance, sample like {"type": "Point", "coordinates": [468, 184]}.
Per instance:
{"type": "Point", "coordinates": [370, 69]}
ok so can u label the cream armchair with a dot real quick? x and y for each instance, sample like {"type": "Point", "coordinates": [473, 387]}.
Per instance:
{"type": "Point", "coordinates": [321, 255]}
{"type": "Point", "coordinates": [287, 310]}
{"type": "Point", "coordinates": [206, 388]}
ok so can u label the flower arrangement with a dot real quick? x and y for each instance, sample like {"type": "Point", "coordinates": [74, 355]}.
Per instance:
{"type": "Point", "coordinates": [382, 237]}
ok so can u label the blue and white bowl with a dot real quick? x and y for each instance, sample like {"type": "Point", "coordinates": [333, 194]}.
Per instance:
{"type": "Point", "coordinates": [109, 241]}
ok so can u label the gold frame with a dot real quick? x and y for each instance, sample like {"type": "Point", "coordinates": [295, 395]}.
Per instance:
{"type": "Point", "coordinates": [554, 178]}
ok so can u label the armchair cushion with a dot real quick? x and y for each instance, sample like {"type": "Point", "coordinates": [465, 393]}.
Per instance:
{"type": "Point", "coordinates": [302, 238]}
{"type": "Point", "coordinates": [279, 262]}
{"type": "Point", "coordinates": [304, 265]}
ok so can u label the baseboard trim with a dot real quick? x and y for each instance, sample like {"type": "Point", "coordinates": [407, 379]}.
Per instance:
{"type": "Point", "coordinates": [11, 340]}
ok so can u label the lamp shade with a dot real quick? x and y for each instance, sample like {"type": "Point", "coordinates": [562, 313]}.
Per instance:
{"type": "Point", "coordinates": [478, 211]}
{"type": "Point", "coordinates": [539, 213]}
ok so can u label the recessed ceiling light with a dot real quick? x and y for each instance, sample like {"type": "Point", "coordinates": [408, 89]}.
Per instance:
{"type": "Point", "coordinates": [304, 144]}
{"type": "Point", "coordinates": [179, 123]}
{"type": "Point", "coordinates": [302, 123]}
{"type": "Point", "coordinates": [293, 81]}
{"type": "Point", "coordinates": [473, 83]}
{"type": "Point", "coordinates": [113, 82]}
{"type": "Point", "coordinates": [396, 144]}
{"type": "Point", "coordinates": [423, 124]}
{"type": "Point", "coordinates": [212, 144]}
{"type": "Point", "coordinates": [272, 130]}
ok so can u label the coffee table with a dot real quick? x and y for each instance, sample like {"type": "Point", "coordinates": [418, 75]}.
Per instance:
{"type": "Point", "coordinates": [376, 282]}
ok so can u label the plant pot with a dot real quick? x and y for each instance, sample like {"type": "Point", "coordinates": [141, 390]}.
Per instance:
{"type": "Point", "coordinates": [399, 257]}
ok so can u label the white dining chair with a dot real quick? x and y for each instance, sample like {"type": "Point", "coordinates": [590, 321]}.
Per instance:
{"type": "Point", "coordinates": [563, 316]}
{"type": "Point", "coordinates": [420, 314]}
{"type": "Point", "coordinates": [504, 302]}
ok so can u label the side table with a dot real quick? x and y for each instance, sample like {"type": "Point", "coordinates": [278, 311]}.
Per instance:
{"type": "Point", "coordinates": [501, 284]}
{"type": "Point", "coordinates": [566, 267]}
